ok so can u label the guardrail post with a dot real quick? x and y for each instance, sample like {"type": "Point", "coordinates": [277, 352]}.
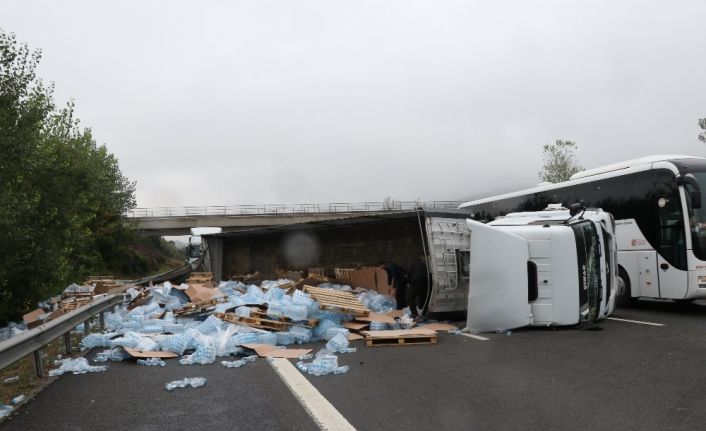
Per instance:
{"type": "Point", "coordinates": [86, 328]}
{"type": "Point", "coordinates": [102, 320]}
{"type": "Point", "coordinates": [38, 363]}
{"type": "Point", "coordinates": [67, 343]}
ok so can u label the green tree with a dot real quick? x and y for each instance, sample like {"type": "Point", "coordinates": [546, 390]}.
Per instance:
{"type": "Point", "coordinates": [560, 162]}
{"type": "Point", "coordinates": [702, 125]}
{"type": "Point", "coordinates": [62, 196]}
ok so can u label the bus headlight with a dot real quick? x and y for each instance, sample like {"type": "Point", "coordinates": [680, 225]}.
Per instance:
{"type": "Point", "coordinates": [702, 281]}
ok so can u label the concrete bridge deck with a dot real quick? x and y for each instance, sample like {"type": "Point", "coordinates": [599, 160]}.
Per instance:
{"type": "Point", "coordinates": [179, 220]}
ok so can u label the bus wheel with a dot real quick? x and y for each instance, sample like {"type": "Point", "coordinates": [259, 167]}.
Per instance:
{"type": "Point", "coordinates": [623, 298]}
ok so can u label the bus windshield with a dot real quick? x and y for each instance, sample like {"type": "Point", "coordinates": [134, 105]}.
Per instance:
{"type": "Point", "coordinates": [697, 219]}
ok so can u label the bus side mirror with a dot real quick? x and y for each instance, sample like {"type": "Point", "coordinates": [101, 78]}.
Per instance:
{"type": "Point", "coordinates": [695, 193]}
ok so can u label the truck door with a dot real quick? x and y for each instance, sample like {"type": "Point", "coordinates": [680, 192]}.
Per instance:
{"type": "Point", "coordinates": [498, 286]}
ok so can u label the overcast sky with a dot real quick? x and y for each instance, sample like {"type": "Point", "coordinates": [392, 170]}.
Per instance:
{"type": "Point", "coordinates": [222, 103]}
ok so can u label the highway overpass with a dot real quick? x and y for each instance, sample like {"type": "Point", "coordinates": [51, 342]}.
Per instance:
{"type": "Point", "coordinates": [164, 221]}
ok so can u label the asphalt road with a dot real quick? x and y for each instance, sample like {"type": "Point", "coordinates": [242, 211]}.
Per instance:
{"type": "Point", "coordinates": [626, 376]}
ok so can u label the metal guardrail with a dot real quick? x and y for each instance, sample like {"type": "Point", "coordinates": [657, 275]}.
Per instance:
{"type": "Point", "coordinates": [15, 348]}
{"type": "Point", "coordinates": [279, 209]}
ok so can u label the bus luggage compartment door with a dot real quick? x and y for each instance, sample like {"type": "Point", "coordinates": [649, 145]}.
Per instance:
{"type": "Point", "coordinates": [647, 266]}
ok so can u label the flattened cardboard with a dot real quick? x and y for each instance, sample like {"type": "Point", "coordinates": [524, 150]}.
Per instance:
{"type": "Point", "coordinates": [396, 313]}
{"type": "Point", "coordinates": [353, 336]}
{"type": "Point", "coordinates": [355, 326]}
{"type": "Point", "coordinates": [398, 333]}
{"type": "Point", "coordinates": [439, 326]}
{"type": "Point", "coordinates": [269, 351]}
{"type": "Point", "coordinates": [376, 317]}
{"type": "Point", "coordinates": [140, 354]}
{"type": "Point", "coordinates": [200, 292]}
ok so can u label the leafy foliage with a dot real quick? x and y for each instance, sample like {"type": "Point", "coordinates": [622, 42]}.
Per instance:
{"type": "Point", "coordinates": [62, 196]}
{"type": "Point", "coordinates": [560, 162]}
{"type": "Point", "coordinates": [702, 125]}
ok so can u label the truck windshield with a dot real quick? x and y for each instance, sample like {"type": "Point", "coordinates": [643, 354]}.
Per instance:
{"type": "Point", "coordinates": [588, 251]}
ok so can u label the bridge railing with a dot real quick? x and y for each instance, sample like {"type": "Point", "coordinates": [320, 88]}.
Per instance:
{"type": "Point", "coordinates": [278, 209]}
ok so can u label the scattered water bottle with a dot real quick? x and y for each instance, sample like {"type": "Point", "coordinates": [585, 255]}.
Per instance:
{"type": "Point", "coordinates": [76, 366]}
{"type": "Point", "coordinates": [242, 311]}
{"type": "Point", "coordinates": [18, 399]}
{"type": "Point", "coordinates": [10, 380]}
{"type": "Point", "coordinates": [194, 382]}
{"type": "Point", "coordinates": [153, 362]}
{"type": "Point", "coordinates": [233, 364]}
{"type": "Point", "coordinates": [340, 370]}
{"type": "Point", "coordinates": [267, 338]}
{"type": "Point", "coordinates": [337, 343]}
{"type": "Point", "coordinates": [378, 326]}
{"type": "Point", "coordinates": [5, 410]}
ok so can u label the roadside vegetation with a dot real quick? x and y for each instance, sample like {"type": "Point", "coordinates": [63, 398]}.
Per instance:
{"type": "Point", "coordinates": [63, 197]}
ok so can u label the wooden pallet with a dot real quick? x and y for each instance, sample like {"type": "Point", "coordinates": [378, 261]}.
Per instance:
{"type": "Point", "coordinates": [337, 301]}
{"type": "Point", "coordinates": [198, 307]}
{"type": "Point", "coordinates": [200, 277]}
{"type": "Point", "coordinates": [260, 314]}
{"type": "Point", "coordinates": [255, 322]}
{"type": "Point", "coordinates": [400, 341]}
{"type": "Point", "coordinates": [400, 337]}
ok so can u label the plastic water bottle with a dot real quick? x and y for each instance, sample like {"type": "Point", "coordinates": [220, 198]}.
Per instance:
{"type": "Point", "coordinates": [267, 338]}
{"type": "Point", "coordinates": [194, 382]}
{"type": "Point", "coordinates": [242, 311]}
{"type": "Point", "coordinates": [340, 370]}
{"type": "Point", "coordinates": [153, 362]}
{"type": "Point", "coordinates": [11, 380]}
{"type": "Point", "coordinates": [233, 364]}
{"type": "Point", "coordinates": [337, 343]}
{"type": "Point", "coordinates": [5, 410]}
{"type": "Point", "coordinates": [18, 399]}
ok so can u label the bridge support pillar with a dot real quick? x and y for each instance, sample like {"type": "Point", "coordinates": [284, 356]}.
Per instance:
{"type": "Point", "coordinates": [86, 328]}
{"type": "Point", "coordinates": [101, 318]}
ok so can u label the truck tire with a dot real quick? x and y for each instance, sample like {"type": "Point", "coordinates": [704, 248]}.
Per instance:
{"type": "Point", "coordinates": [624, 297]}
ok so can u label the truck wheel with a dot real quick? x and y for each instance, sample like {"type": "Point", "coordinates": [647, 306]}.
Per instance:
{"type": "Point", "coordinates": [623, 298]}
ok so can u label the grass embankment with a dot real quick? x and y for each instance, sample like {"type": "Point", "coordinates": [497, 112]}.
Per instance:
{"type": "Point", "coordinates": [29, 384]}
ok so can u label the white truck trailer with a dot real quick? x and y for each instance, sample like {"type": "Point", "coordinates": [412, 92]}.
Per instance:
{"type": "Point", "coordinates": [541, 268]}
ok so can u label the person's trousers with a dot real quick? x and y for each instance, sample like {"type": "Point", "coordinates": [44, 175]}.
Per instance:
{"type": "Point", "coordinates": [400, 296]}
{"type": "Point", "coordinates": [416, 297]}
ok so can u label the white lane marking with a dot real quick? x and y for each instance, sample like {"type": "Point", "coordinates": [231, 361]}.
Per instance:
{"type": "Point", "coordinates": [635, 321]}
{"type": "Point", "coordinates": [319, 408]}
{"type": "Point", "coordinates": [475, 337]}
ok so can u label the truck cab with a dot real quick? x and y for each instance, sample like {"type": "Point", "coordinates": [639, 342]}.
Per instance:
{"type": "Point", "coordinates": [542, 268]}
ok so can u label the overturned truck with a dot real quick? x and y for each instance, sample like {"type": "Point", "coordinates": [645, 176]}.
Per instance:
{"type": "Point", "coordinates": [542, 268]}
{"type": "Point", "coordinates": [403, 237]}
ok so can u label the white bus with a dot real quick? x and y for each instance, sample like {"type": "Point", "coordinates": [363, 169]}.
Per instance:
{"type": "Point", "coordinates": [660, 223]}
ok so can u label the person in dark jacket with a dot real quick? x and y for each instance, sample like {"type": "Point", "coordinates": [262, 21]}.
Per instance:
{"type": "Point", "coordinates": [397, 277]}
{"type": "Point", "coordinates": [418, 288]}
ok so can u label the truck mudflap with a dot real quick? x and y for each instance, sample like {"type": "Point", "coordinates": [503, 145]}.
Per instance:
{"type": "Point", "coordinates": [498, 288]}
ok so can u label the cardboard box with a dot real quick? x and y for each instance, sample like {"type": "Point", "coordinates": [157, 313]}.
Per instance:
{"type": "Point", "coordinates": [34, 318]}
{"type": "Point", "coordinates": [372, 278]}
{"type": "Point", "coordinates": [200, 292]}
